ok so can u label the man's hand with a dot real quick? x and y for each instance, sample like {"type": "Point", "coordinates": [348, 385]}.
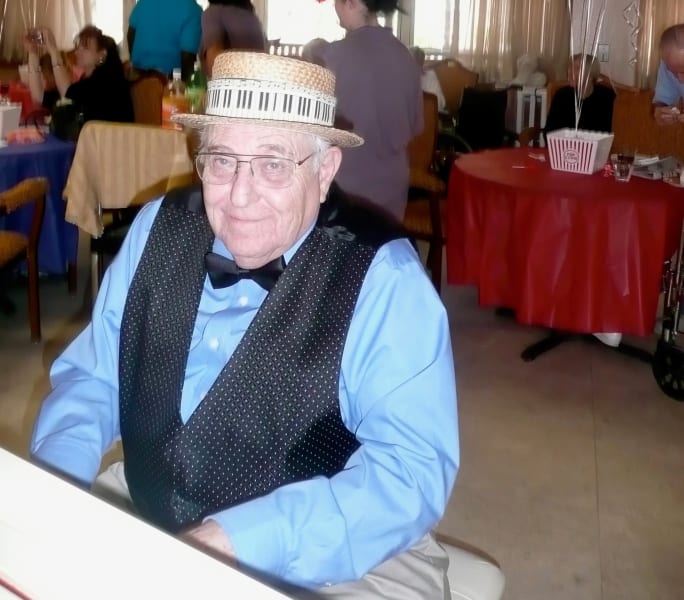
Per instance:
{"type": "Point", "coordinates": [667, 115]}
{"type": "Point", "coordinates": [210, 538]}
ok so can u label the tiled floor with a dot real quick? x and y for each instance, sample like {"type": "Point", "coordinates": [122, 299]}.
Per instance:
{"type": "Point", "coordinates": [572, 465]}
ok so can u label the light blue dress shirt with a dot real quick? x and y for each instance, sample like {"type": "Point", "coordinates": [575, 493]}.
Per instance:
{"type": "Point", "coordinates": [397, 394]}
{"type": "Point", "coordinates": [668, 89]}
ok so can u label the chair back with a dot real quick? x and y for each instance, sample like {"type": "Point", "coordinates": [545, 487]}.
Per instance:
{"type": "Point", "coordinates": [32, 190]}
{"type": "Point", "coordinates": [453, 79]}
{"type": "Point", "coordinates": [117, 165]}
{"type": "Point", "coordinates": [482, 117]}
{"type": "Point", "coordinates": [146, 94]}
{"type": "Point", "coordinates": [421, 148]}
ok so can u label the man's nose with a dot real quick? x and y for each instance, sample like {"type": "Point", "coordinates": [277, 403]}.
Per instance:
{"type": "Point", "coordinates": [243, 185]}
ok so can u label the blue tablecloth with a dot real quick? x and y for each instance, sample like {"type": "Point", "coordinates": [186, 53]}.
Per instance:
{"type": "Point", "coordinates": [51, 159]}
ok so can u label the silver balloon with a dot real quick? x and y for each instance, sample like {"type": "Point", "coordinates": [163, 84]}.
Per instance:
{"type": "Point", "coordinates": [632, 16]}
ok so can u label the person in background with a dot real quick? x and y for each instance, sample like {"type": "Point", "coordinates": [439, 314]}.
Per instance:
{"type": "Point", "coordinates": [669, 88]}
{"type": "Point", "coordinates": [103, 92]}
{"type": "Point", "coordinates": [164, 35]}
{"type": "Point", "coordinates": [41, 79]}
{"type": "Point", "coordinates": [229, 25]}
{"type": "Point", "coordinates": [312, 50]}
{"type": "Point", "coordinates": [293, 406]}
{"type": "Point", "coordinates": [379, 95]}
{"type": "Point", "coordinates": [596, 100]}
{"type": "Point", "coordinates": [429, 79]}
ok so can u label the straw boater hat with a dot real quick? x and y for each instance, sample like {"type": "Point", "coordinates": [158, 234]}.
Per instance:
{"type": "Point", "coordinates": [274, 91]}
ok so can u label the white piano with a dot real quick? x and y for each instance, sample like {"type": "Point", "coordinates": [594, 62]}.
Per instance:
{"type": "Point", "coordinates": [60, 542]}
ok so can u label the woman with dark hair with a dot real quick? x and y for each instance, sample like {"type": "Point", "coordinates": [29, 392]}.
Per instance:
{"type": "Point", "coordinates": [379, 94]}
{"type": "Point", "coordinates": [229, 25]}
{"type": "Point", "coordinates": [103, 92]}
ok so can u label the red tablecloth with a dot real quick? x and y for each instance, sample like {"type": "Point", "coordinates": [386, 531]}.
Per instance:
{"type": "Point", "coordinates": [573, 252]}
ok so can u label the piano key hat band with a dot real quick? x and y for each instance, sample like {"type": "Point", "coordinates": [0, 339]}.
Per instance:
{"type": "Point", "coordinates": [273, 91]}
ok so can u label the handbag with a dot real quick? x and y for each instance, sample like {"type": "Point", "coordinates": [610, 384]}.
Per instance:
{"type": "Point", "coordinates": [66, 121]}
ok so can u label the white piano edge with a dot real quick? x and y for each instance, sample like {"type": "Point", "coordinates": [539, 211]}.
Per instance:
{"type": "Point", "coordinates": [59, 541]}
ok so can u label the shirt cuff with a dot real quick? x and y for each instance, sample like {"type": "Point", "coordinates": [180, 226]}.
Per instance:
{"type": "Point", "coordinates": [258, 540]}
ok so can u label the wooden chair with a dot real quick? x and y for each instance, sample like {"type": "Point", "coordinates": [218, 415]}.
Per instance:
{"type": "Point", "coordinates": [453, 79]}
{"type": "Point", "coordinates": [146, 94]}
{"type": "Point", "coordinates": [15, 246]}
{"type": "Point", "coordinates": [426, 203]}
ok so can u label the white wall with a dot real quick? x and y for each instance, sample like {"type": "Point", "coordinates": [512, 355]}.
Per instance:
{"type": "Point", "coordinates": [615, 32]}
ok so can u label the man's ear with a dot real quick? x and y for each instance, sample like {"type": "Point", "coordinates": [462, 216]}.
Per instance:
{"type": "Point", "coordinates": [330, 163]}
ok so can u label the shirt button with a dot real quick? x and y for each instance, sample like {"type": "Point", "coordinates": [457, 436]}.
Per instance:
{"type": "Point", "coordinates": [242, 300]}
{"type": "Point", "coordinates": [214, 344]}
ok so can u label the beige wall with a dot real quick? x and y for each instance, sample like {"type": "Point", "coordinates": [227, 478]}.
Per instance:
{"type": "Point", "coordinates": [615, 32]}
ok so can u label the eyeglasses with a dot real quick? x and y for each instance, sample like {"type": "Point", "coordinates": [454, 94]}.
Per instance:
{"type": "Point", "coordinates": [219, 168]}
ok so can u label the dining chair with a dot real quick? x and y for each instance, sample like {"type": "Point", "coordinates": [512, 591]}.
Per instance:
{"type": "Point", "coordinates": [146, 94]}
{"type": "Point", "coordinates": [117, 168]}
{"type": "Point", "coordinates": [15, 246]}
{"type": "Point", "coordinates": [472, 574]}
{"type": "Point", "coordinates": [453, 79]}
{"type": "Point", "coordinates": [426, 206]}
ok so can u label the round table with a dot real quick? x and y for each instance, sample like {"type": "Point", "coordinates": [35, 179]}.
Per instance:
{"type": "Point", "coordinates": [578, 253]}
{"type": "Point", "coordinates": [58, 244]}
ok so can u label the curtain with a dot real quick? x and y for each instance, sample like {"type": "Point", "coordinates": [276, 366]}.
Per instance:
{"type": "Point", "coordinates": [65, 17]}
{"type": "Point", "coordinates": [490, 35]}
{"type": "Point", "coordinates": [656, 16]}
{"type": "Point", "coordinates": [542, 28]}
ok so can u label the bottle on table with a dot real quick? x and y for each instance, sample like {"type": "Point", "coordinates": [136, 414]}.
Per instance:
{"type": "Point", "coordinates": [175, 100]}
{"type": "Point", "coordinates": [197, 89]}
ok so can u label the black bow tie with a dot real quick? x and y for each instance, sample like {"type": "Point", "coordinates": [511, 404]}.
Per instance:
{"type": "Point", "coordinates": [223, 272]}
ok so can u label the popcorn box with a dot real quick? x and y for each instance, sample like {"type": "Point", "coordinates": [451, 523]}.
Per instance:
{"type": "Point", "coordinates": [578, 151]}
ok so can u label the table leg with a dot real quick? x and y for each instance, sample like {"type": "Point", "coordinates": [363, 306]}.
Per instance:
{"type": "Point", "coordinates": [553, 339]}
{"type": "Point", "coordinates": [556, 338]}
{"type": "Point", "coordinates": [72, 278]}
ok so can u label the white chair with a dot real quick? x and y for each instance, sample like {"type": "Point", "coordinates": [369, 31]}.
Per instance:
{"type": "Point", "coordinates": [472, 575]}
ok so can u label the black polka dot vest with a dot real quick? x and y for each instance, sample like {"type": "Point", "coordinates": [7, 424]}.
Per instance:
{"type": "Point", "coordinates": [272, 416]}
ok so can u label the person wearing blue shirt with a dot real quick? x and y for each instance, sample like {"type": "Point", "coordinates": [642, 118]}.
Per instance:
{"type": "Point", "coordinates": [164, 35]}
{"type": "Point", "coordinates": [274, 359]}
{"type": "Point", "coordinates": [669, 88]}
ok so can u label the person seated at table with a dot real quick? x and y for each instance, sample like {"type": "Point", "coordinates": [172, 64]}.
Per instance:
{"type": "Point", "coordinates": [164, 35]}
{"type": "Point", "coordinates": [41, 79]}
{"type": "Point", "coordinates": [669, 89]}
{"type": "Point", "coordinates": [229, 25]}
{"type": "Point", "coordinates": [293, 407]}
{"type": "Point", "coordinates": [103, 93]}
{"type": "Point", "coordinates": [594, 100]}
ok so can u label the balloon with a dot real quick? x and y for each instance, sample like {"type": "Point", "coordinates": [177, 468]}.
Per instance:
{"type": "Point", "coordinates": [632, 16]}
{"type": "Point", "coordinates": [587, 40]}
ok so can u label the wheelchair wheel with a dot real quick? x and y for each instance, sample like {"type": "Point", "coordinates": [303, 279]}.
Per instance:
{"type": "Point", "coordinates": [668, 370]}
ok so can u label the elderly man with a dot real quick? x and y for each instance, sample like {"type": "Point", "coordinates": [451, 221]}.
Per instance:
{"type": "Point", "coordinates": [670, 82]}
{"type": "Point", "coordinates": [276, 363]}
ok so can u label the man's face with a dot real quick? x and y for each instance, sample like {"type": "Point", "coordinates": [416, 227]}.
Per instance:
{"type": "Point", "coordinates": [258, 223]}
{"type": "Point", "coordinates": [674, 61]}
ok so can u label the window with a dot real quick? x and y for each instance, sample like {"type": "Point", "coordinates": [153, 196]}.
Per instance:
{"type": "Point", "coordinates": [433, 24]}
{"type": "Point", "coordinates": [108, 16]}
{"type": "Point", "coordinates": [300, 21]}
